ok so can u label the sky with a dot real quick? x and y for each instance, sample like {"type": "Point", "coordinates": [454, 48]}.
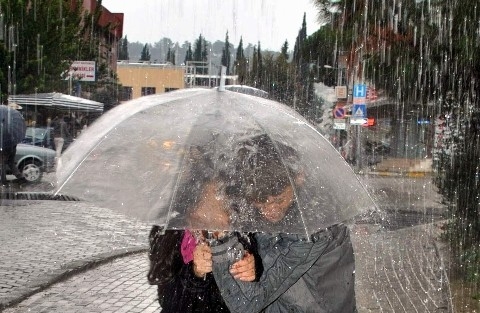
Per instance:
{"type": "Point", "coordinates": [269, 21]}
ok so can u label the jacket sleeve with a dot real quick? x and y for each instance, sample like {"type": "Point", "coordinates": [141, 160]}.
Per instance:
{"type": "Point", "coordinates": [284, 260]}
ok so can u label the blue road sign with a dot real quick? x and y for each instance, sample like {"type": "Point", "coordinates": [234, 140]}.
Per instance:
{"type": "Point", "coordinates": [360, 91]}
{"type": "Point", "coordinates": [339, 112]}
{"type": "Point", "coordinates": [359, 111]}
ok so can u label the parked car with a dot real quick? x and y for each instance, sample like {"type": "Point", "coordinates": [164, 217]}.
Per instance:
{"type": "Point", "coordinates": [376, 151]}
{"type": "Point", "coordinates": [39, 136]}
{"type": "Point", "coordinates": [42, 137]}
{"type": "Point", "coordinates": [33, 161]}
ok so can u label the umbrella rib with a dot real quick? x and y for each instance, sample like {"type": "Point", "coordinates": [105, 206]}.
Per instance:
{"type": "Point", "coordinates": [76, 167]}
{"type": "Point", "coordinates": [292, 184]}
{"type": "Point", "coordinates": [175, 189]}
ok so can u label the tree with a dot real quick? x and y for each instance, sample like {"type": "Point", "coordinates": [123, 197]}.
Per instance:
{"type": "Point", "coordinates": [240, 66]}
{"type": "Point", "coordinates": [302, 97]}
{"type": "Point", "coordinates": [282, 84]}
{"type": "Point", "coordinates": [301, 37]}
{"type": "Point", "coordinates": [39, 45]}
{"type": "Point", "coordinates": [188, 54]}
{"type": "Point", "coordinates": [42, 40]}
{"type": "Point", "coordinates": [123, 49]}
{"type": "Point", "coordinates": [170, 56]}
{"type": "Point", "coordinates": [226, 55]}
{"type": "Point", "coordinates": [255, 77]}
{"type": "Point", "coordinates": [200, 53]}
{"type": "Point", "coordinates": [145, 55]}
{"type": "Point", "coordinates": [321, 46]}
{"type": "Point", "coordinates": [284, 50]}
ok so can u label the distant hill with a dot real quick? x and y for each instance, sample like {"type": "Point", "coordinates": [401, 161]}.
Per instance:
{"type": "Point", "coordinates": [158, 51]}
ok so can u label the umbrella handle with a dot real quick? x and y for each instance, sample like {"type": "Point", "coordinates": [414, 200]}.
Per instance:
{"type": "Point", "coordinates": [203, 236]}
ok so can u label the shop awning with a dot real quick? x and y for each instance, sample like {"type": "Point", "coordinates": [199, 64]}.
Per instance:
{"type": "Point", "coordinates": [58, 101]}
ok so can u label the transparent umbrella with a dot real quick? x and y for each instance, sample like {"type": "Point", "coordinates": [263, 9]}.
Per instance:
{"type": "Point", "coordinates": [150, 158]}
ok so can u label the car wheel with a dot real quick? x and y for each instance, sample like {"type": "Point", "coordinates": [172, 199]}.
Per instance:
{"type": "Point", "coordinates": [31, 171]}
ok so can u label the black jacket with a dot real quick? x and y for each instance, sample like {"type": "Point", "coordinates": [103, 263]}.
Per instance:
{"type": "Point", "coordinates": [179, 290]}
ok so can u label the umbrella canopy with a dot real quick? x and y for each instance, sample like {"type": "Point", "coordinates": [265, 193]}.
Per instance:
{"type": "Point", "coordinates": [11, 123]}
{"type": "Point", "coordinates": [150, 157]}
{"type": "Point", "coordinates": [247, 90]}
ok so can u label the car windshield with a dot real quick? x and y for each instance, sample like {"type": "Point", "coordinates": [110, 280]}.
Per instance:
{"type": "Point", "coordinates": [35, 133]}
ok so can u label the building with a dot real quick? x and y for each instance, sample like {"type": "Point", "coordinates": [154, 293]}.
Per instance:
{"type": "Point", "coordinates": [113, 22]}
{"type": "Point", "coordinates": [146, 78]}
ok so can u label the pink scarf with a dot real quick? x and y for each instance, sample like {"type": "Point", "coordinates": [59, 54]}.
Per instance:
{"type": "Point", "coordinates": [188, 245]}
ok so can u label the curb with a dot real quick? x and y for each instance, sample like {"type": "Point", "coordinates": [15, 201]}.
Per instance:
{"type": "Point", "coordinates": [19, 195]}
{"type": "Point", "coordinates": [398, 174]}
{"type": "Point", "coordinates": [67, 271]}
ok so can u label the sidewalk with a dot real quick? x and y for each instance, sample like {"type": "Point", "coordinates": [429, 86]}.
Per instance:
{"type": "Point", "coordinates": [402, 167]}
{"type": "Point", "coordinates": [67, 257]}
{"type": "Point", "coordinates": [44, 242]}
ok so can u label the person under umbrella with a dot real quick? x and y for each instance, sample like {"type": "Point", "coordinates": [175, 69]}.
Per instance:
{"type": "Point", "coordinates": [178, 265]}
{"type": "Point", "coordinates": [300, 274]}
{"type": "Point", "coordinates": [12, 129]}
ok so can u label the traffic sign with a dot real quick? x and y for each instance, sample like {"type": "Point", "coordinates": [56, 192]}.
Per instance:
{"type": "Point", "coordinates": [359, 111]}
{"type": "Point", "coordinates": [341, 92]}
{"type": "Point", "coordinates": [358, 121]}
{"type": "Point", "coordinates": [339, 124]}
{"type": "Point", "coordinates": [339, 112]}
{"type": "Point", "coordinates": [360, 91]}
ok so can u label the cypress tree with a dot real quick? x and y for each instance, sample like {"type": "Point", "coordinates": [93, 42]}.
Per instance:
{"type": "Point", "coordinates": [123, 49]}
{"type": "Point", "coordinates": [145, 55]}
{"type": "Point", "coordinates": [170, 56]}
{"type": "Point", "coordinates": [240, 67]}
{"type": "Point", "coordinates": [188, 54]}
{"type": "Point", "coordinates": [226, 54]}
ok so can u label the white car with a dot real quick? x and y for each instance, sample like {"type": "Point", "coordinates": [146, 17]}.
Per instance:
{"type": "Point", "coordinates": [33, 161]}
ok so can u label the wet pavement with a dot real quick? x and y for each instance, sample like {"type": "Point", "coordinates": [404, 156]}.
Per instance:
{"type": "Point", "coordinates": [60, 256]}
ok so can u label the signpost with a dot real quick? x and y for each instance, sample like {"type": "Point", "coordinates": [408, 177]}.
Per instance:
{"type": "Point", "coordinates": [82, 71]}
{"type": "Point", "coordinates": [359, 117]}
{"type": "Point", "coordinates": [359, 110]}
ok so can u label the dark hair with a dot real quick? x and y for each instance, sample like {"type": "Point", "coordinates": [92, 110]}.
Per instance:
{"type": "Point", "coordinates": [262, 168]}
{"type": "Point", "coordinates": [164, 255]}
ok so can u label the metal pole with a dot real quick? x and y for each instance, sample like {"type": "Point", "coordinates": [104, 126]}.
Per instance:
{"type": "Point", "coordinates": [14, 74]}
{"type": "Point", "coordinates": [358, 148]}
{"type": "Point", "coordinates": [210, 68]}
{"type": "Point", "coordinates": [358, 128]}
